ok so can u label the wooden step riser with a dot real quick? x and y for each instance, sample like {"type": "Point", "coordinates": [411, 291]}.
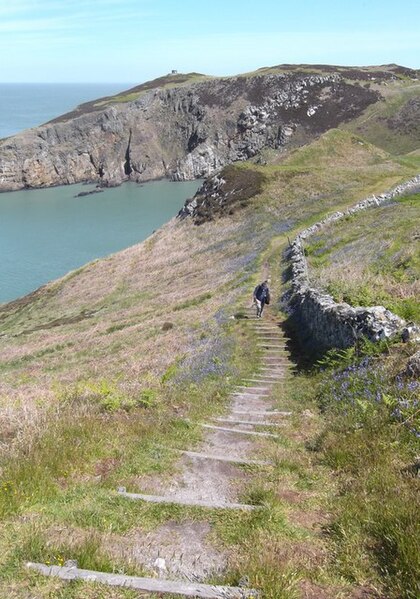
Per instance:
{"type": "Point", "coordinates": [149, 585]}
{"type": "Point", "coordinates": [167, 499]}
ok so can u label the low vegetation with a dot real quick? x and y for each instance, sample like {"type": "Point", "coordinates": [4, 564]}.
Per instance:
{"type": "Point", "coordinates": [370, 439]}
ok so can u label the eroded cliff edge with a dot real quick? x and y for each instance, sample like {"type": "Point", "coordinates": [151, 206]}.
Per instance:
{"type": "Point", "coordinates": [188, 130]}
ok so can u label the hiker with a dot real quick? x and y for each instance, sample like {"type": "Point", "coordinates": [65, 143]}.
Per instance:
{"type": "Point", "coordinates": [261, 296]}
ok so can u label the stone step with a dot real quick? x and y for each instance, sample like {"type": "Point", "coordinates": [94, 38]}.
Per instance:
{"type": "Point", "coordinates": [237, 430]}
{"type": "Point", "coordinates": [140, 583]}
{"type": "Point", "coordinates": [248, 422]}
{"type": "Point", "coordinates": [223, 505]}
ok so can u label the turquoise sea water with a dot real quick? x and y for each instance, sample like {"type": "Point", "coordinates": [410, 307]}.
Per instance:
{"type": "Point", "coordinates": [25, 105]}
{"type": "Point", "coordinates": [46, 233]}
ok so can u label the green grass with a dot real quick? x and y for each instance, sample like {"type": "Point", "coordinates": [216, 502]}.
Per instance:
{"type": "Point", "coordinates": [373, 123]}
{"type": "Point", "coordinates": [369, 441]}
{"type": "Point", "coordinates": [356, 265]}
{"type": "Point", "coordinates": [196, 301]}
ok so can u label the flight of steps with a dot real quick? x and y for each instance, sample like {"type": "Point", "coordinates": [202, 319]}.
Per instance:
{"type": "Point", "coordinates": [209, 474]}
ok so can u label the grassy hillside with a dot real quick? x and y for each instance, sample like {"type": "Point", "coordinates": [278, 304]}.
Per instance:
{"type": "Point", "coordinates": [355, 264]}
{"type": "Point", "coordinates": [103, 368]}
{"type": "Point", "coordinates": [129, 95]}
{"type": "Point", "coordinates": [393, 123]}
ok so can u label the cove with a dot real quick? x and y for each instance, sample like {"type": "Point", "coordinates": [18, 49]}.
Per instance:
{"type": "Point", "coordinates": [45, 233]}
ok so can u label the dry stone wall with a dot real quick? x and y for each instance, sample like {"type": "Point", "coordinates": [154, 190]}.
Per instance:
{"type": "Point", "coordinates": [325, 323]}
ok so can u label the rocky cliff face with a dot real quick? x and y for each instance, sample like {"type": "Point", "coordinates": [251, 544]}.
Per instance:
{"type": "Point", "coordinates": [182, 132]}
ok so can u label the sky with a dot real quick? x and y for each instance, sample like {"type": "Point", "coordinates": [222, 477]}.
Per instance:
{"type": "Point", "coordinates": [137, 40]}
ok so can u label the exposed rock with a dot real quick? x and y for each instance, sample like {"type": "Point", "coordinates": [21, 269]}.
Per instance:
{"type": "Point", "coordinates": [182, 132]}
{"type": "Point", "coordinates": [407, 118]}
{"type": "Point", "coordinates": [328, 323]}
{"type": "Point", "coordinates": [223, 193]}
{"type": "Point", "coordinates": [412, 368]}
{"type": "Point", "coordinates": [89, 193]}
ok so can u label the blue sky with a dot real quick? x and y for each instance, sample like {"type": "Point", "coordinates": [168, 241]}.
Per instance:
{"type": "Point", "coordinates": [136, 40]}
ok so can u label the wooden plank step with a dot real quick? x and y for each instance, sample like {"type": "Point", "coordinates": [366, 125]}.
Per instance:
{"type": "Point", "coordinates": [218, 458]}
{"type": "Point", "coordinates": [248, 422]}
{"type": "Point", "coordinates": [140, 583]}
{"type": "Point", "coordinates": [249, 391]}
{"type": "Point", "coordinates": [277, 361]}
{"type": "Point", "coordinates": [237, 430]}
{"type": "Point", "coordinates": [210, 456]}
{"type": "Point", "coordinates": [282, 361]}
{"type": "Point", "coordinates": [262, 323]}
{"type": "Point", "coordinates": [263, 412]}
{"type": "Point", "coordinates": [278, 374]}
{"type": "Point", "coordinates": [222, 505]}
{"type": "Point", "coordinates": [252, 388]}
{"type": "Point", "coordinates": [245, 395]}
{"type": "Point", "coordinates": [271, 346]}
{"type": "Point", "coordinates": [268, 332]}
{"type": "Point", "coordinates": [265, 381]}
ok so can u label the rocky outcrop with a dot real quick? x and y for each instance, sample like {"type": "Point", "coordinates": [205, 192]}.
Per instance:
{"type": "Point", "coordinates": [182, 132]}
{"type": "Point", "coordinates": [324, 323]}
{"type": "Point", "coordinates": [222, 194]}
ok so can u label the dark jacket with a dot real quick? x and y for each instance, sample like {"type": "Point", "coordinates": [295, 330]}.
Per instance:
{"type": "Point", "coordinates": [262, 293]}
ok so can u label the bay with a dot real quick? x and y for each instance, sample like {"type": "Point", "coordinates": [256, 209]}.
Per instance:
{"type": "Point", "coordinates": [45, 233]}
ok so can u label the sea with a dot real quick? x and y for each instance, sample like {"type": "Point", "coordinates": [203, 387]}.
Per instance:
{"type": "Point", "coordinates": [46, 233]}
{"type": "Point", "coordinates": [26, 105]}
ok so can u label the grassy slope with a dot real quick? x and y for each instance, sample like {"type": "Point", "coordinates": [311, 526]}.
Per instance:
{"type": "Point", "coordinates": [129, 95]}
{"type": "Point", "coordinates": [355, 264]}
{"type": "Point", "coordinates": [91, 385]}
{"type": "Point", "coordinates": [374, 123]}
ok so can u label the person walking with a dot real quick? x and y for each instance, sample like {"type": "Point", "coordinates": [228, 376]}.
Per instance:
{"type": "Point", "coordinates": [261, 296]}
